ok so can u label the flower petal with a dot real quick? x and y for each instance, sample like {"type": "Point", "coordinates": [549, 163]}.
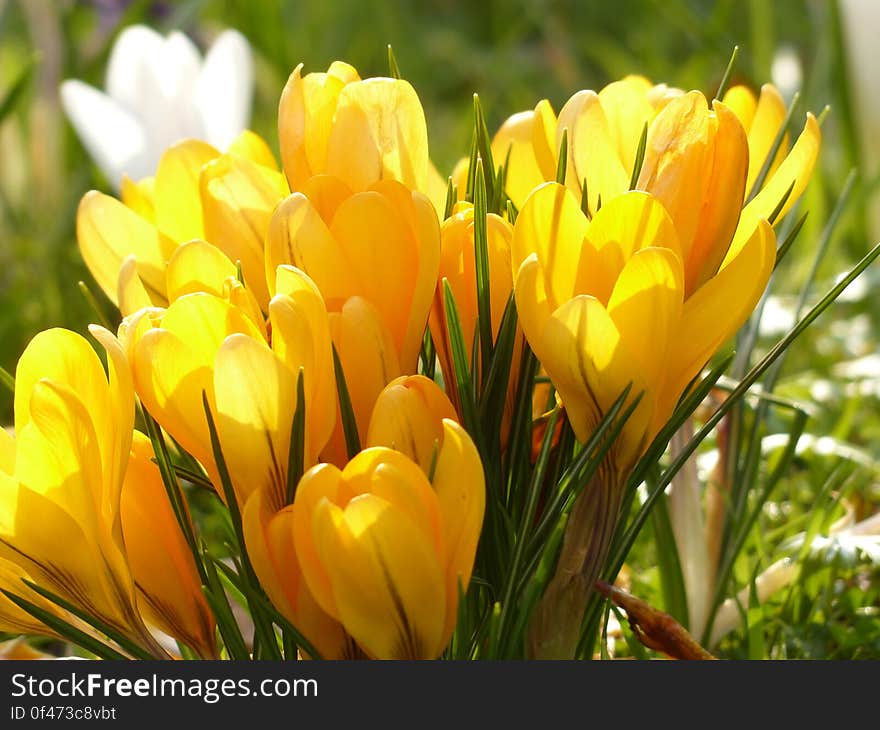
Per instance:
{"type": "Point", "coordinates": [224, 88]}
{"type": "Point", "coordinates": [112, 135]}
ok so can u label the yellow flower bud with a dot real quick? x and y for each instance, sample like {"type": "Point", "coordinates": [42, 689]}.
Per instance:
{"type": "Point", "coordinates": [408, 417]}
{"type": "Point", "coordinates": [383, 550]}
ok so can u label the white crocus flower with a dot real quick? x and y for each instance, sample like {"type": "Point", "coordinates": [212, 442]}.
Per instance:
{"type": "Point", "coordinates": [159, 91]}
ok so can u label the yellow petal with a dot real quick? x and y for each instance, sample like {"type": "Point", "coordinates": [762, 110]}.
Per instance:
{"type": "Point", "coordinates": [545, 142]}
{"type": "Point", "coordinates": [592, 150]}
{"type": "Point", "coordinates": [590, 366]}
{"type": "Point", "coordinates": [197, 266]}
{"type": "Point", "coordinates": [552, 226]}
{"type": "Point", "coordinates": [379, 133]}
{"type": "Point", "coordinates": [301, 339]}
{"type": "Point", "coordinates": [108, 232]}
{"type": "Point", "coordinates": [627, 109]}
{"type": "Point", "coordinates": [132, 295]}
{"type": "Point", "coordinates": [646, 306]}
{"type": "Point", "coordinates": [769, 117]}
{"type": "Point", "coordinates": [388, 583]}
{"type": "Point", "coordinates": [238, 198]}
{"type": "Point", "coordinates": [255, 399]}
{"type": "Point", "coordinates": [461, 494]}
{"type": "Point", "coordinates": [627, 223]}
{"type": "Point", "coordinates": [178, 207]}
{"type": "Point", "coordinates": [717, 310]}
{"type": "Point", "coordinates": [252, 147]}
{"type": "Point", "coordinates": [796, 170]}
{"type": "Point", "coordinates": [408, 416]}
{"type": "Point", "coordinates": [513, 143]}
{"type": "Point", "coordinates": [140, 196]}
{"type": "Point", "coordinates": [741, 101]}
{"type": "Point", "coordinates": [305, 117]}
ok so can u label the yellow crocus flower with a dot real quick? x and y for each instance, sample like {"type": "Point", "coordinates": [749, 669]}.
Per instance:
{"type": "Point", "coordinates": [204, 343]}
{"type": "Point", "coordinates": [73, 427]}
{"type": "Point", "coordinates": [384, 550]}
{"type": "Point", "coordinates": [197, 193]}
{"type": "Point", "coordinates": [374, 256]}
{"type": "Point", "coordinates": [602, 304]}
{"type": "Point", "coordinates": [360, 131]}
{"type": "Point", "coordinates": [458, 267]}
{"type": "Point", "coordinates": [169, 590]}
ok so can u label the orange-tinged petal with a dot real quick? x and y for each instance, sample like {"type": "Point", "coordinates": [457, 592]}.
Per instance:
{"type": "Point", "coordinates": [372, 233]}
{"type": "Point", "coordinates": [408, 416]}
{"type": "Point", "coordinates": [378, 133]}
{"type": "Point", "coordinates": [678, 162]}
{"type": "Point", "coordinates": [178, 205]}
{"type": "Point", "coordinates": [320, 483]}
{"type": "Point", "coordinates": [108, 232]}
{"type": "Point", "coordinates": [387, 580]}
{"type": "Point", "coordinates": [369, 360]}
{"type": "Point", "coordinates": [269, 539]}
{"type": "Point", "coordinates": [299, 236]}
{"type": "Point", "coordinates": [720, 207]}
{"type": "Point", "coordinates": [168, 584]}
{"type": "Point", "coordinates": [238, 198]}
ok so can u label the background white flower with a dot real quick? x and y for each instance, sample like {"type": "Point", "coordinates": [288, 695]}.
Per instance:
{"type": "Point", "coordinates": [159, 90]}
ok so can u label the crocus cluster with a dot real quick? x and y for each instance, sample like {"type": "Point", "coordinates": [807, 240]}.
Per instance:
{"type": "Point", "coordinates": [275, 320]}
